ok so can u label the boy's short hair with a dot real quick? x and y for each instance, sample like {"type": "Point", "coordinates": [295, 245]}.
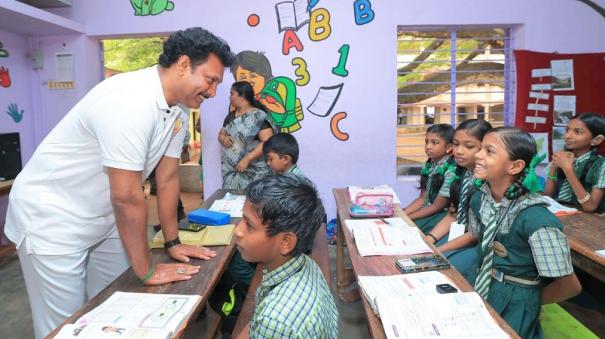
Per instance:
{"type": "Point", "coordinates": [285, 203]}
{"type": "Point", "coordinates": [282, 144]}
{"type": "Point", "coordinates": [197, 43]}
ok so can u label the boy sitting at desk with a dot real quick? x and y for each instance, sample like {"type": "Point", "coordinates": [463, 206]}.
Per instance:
{"type": "Point", "coordinates": [280, 218]}
{"type": "Point", "coordinates": [281, 153]}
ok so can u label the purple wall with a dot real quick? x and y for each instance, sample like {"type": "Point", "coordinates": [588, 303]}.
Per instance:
{"type": "Point", "coordinates": [369, 93]}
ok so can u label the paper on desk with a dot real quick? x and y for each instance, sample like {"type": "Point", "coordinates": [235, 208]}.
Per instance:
{"type": "Point", "coordinates": [456, 230]}
{"type": "Point", "coordinates": [375, 237]}
{"type": "Point", "coordinates": [451, 315]}
{"type": "Point", "coordinates": [557, 209]}
{"type": "Point", "coordinates": [142, 310]}
{"type": "Point", "coordinates": [401, 284]}
{"type": "Point", "coordinates": [600, 253]}
{"type": "Point", "coordinates": [354, 190]}
{"type": "Point", "coordinates": [231, 204]}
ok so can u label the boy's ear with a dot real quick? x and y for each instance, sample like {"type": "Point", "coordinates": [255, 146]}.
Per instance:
{"type": "Point", "coordinates": [288, 243]}
{"type": "Point", "coordinates": [516, 167]}
{"type": "Point", "coordinates": [449, 148]}
{"type": "Point", "coordinates": [596, 141]}
{"type": "Point", "coordinates": [287, 159]}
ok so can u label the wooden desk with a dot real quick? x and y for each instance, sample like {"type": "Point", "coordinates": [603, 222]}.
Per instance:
{"type": "Point", "coordinates": [5, 187]}
{"type": "Point", "coordinates": [201, 284]}
{"type": "Point", "coordinates": [384, 265]}
{"type": "Point", "coordinates": [586, 233]}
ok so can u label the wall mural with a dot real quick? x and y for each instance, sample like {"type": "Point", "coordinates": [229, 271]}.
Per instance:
{"type": "Point", "coordinates": [5, 79]}
{"type": "Point", "coordinates": [151, 7]}
{"type": "Point", "coordinates": [3, 52]}
{"type": "Point", "coordinates": [279, 93]}
{"type": "Point", "coordinates": [13, 112]}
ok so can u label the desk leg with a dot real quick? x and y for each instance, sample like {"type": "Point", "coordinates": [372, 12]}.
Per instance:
{"type": "Point", "coordinates": [344, 276]}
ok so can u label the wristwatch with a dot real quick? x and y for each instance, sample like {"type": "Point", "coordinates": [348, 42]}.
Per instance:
{"type": "Point", "coordinates": [171, 243]}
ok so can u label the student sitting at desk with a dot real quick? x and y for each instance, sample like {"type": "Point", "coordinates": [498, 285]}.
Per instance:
{"type": "Point", "coordinates": [524, 255]}
{"type": "Point", "coordinates": [281, 153]}
{"type": "Point", "coordinates": [579, 170]}
{"type": "Point", "coordinates": [431, 206]}
{"type": "Point", "coordinates": [280, 218]}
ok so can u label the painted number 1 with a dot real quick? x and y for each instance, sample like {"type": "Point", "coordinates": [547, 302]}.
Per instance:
{"type": "Point", "coordinates": [340, 69]}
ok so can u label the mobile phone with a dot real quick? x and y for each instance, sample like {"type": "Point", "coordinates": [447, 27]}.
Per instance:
{"type": "Point", "coordinates": [446, 288]}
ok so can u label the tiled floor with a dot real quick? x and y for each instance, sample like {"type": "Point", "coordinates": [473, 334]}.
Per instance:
{"type": "Point", "coordinates": [15, 315]}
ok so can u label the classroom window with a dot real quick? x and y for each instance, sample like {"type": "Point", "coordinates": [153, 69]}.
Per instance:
{"type": "Point", "coordinates": [449, 75]}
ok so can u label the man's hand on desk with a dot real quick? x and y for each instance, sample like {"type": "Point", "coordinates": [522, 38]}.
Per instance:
{"type": "Point", "coordinates": [166, 273]}
{"type": "Point", "coordinates": [183, 252]}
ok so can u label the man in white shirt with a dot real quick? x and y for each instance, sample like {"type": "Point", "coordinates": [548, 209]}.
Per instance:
{"type": "Point", "coordinates": [85, 179]}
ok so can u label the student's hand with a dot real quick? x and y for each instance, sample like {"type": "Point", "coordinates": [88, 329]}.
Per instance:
{"type": "Point", "coordinates": [183, 252]}
{"type": "Point", "coordinates": [225, 140]}
{"type": "Point", "coordinates": [430, 240]}
{"type": "Point", "coordinates": [242, 165]}
{"type": "Point", "coordinates": [166, 273]}
{"type": "Point", "coordinates": [563, 160]}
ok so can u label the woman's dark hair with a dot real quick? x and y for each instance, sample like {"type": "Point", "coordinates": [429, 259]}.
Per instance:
{"type": "Point", "coordinates": [596, 125]}
{"type": "Point", "coordinates": [520, 145]}
{"type": "Point", "coordinates": [197, 43]}
{"type": "Point", "coordinates": [446, 132]}
{"type": "Point", "coordinates": [287, 203]}
{"type": "Point", "coordinates": [244, 89]}
{"type": "Point", "coordinates": [477, 129]}
{"type": "Point", "coordinates": [255, 62]}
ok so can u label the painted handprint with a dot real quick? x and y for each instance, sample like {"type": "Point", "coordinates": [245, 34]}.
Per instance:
{"type": "Point", "coordinates": [5, 79]}
{"type": "Point", "coordinates": [14, 112]}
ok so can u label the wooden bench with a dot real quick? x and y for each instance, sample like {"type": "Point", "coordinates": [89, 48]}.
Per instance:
{"type": "Point", "coordinates": [319, 253]}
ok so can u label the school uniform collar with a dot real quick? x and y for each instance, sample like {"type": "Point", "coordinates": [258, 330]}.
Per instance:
{"type": "Point", "coordinates": [582, 158]}
{"type": "Point", "coordinates": [283, 272]}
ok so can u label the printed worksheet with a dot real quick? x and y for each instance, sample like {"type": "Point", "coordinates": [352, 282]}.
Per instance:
{"type": "Point", "coordinates": [386, 237]}
{"type": "Point", "coordinates": [451, 315]}
{"type": "Point", "coordinates": [231, 204]}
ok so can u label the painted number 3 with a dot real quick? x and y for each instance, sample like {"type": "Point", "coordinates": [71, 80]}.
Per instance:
{"type": "Point", "coordinates": [301, 71]}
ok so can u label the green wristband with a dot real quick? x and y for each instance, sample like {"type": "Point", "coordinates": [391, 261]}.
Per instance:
{"type": "Point", "coordinates": [552, 177]}
{"type": "Point", "coordinates": [148, 275]}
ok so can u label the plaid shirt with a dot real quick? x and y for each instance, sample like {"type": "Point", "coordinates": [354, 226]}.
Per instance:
{"type": "Point", "coordinates": [550, 250]}
{"type": "Point", "coordinates": [294, 169]}
{"type": "Point", "coordinates": [294, 301]}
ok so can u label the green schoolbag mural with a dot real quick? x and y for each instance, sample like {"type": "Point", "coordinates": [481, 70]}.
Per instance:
{"type": "Point", "coordinates": [151, 7]}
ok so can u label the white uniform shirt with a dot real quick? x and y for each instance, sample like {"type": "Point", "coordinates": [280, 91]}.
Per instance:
{"type": "Point", "coordinates": [60, 202]}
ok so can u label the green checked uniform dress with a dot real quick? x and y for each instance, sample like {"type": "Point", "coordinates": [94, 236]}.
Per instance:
{"type": "Point", "coordinates": [294, 301]}
{"type": "Point", "coordinates": [427, 224]}
{"type": "Point", "coordinates": [594, 177]}
{"type": "Point", "coordinates": [535, 248]}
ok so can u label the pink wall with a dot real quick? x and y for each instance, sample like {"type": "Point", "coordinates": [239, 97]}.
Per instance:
{"type": "Point", "coordinates": [369, 94]}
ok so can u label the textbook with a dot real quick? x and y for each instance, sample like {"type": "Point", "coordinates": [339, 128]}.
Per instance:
{"type": "Point", "coordinates": [134, 315]}
{"type": "Point", "coordinates": [385, 286]}
{"type": "Point", "coordinates": [209, 236]}
{"type": "Point", "coordinates": [557, 209]}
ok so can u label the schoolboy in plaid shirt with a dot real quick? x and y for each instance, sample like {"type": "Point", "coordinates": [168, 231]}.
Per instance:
{"type": "Point", "coordinates": [280, 218]}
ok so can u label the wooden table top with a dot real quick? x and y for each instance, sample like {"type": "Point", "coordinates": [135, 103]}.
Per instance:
{"type": "Point", "coordinates": [586, 233]}
{"type": "Point", "coordinates": [385, 265]}
{"type": "Point", "coordinates": [201, 284]}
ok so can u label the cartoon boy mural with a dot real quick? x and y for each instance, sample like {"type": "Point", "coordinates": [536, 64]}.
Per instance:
{"type": "Point", "coordinates": [277, 94]}
{"type": "Point", "coordinates": [151, 7]}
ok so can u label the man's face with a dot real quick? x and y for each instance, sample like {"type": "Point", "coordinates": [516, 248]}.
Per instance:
{"type": "Point", "coordinates": [256, 80]}
{"type": "Point", "coordinates": [201, 82]}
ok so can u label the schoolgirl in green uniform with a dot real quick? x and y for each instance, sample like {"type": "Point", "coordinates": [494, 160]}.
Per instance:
{"type": "Point", "coordinates": [524, 255]}
{"type": "Point", "coordinates": [431, 205]}
{"type": "Point", "coordinates": [576, 176]}
{"type": "Point", "coordinates": [460, 251]}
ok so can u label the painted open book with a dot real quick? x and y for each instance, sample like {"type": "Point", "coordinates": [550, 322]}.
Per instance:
{"type": "Point", "coordinates": [134, 315]}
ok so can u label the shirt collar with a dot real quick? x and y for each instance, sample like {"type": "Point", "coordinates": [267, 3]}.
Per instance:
{"type": "Point", "coordinates": [582, 158]}
{"type": "Point", "coordinates": [160, 98]}
{"type": "Point", "coordinates": [283, 272]}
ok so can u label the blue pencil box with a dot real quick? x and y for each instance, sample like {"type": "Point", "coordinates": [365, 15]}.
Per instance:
{"type": "Point", "coordinates": [206, 217]}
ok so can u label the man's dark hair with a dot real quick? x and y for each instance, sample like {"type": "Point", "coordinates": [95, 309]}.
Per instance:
{"type": "Point", "coordinates": [288, 204]}
{"type": "Point", "coordinates": [283, 144]}
{"type": "Point", "coordinates": [197, 43]}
